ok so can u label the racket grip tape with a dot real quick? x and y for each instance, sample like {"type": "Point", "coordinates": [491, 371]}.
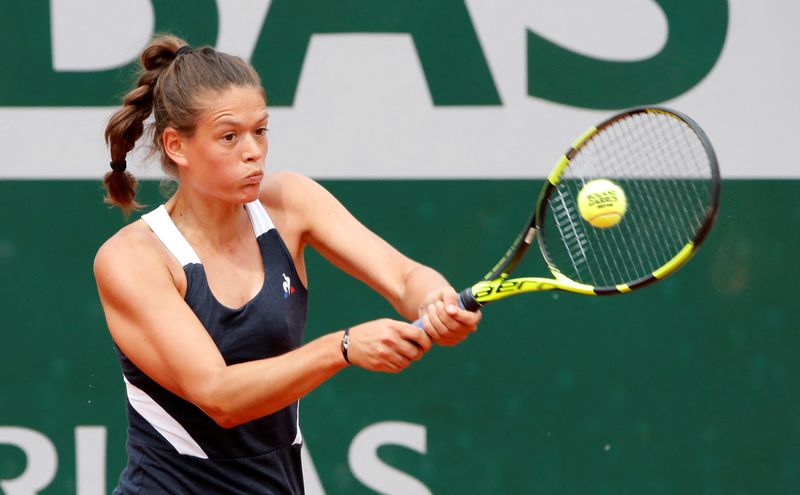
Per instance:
{"type": "Point", "coordinates": [465, 301]}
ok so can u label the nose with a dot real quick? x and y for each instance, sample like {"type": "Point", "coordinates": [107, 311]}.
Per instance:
{"type": "Point", "coordinates": [253, 149]}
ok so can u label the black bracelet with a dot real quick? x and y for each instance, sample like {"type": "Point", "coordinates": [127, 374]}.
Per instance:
{"type": "Point", "coordinates": [346, 344]}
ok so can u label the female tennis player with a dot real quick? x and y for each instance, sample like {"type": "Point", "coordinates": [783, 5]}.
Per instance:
{"type": "Point", "coordinates": [205, 296]}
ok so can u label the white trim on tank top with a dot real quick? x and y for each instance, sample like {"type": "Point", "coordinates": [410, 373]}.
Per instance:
{"type": "Point", "coordinates": [160, 419]}
{"type": "Point", "coordinates": [164, 228]}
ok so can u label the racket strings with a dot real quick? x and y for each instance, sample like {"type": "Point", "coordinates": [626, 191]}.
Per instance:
{"type": "Point", "coordinates": [613, 166]}
{"type": "Point", "coordinates": [691, 151]}
{"type": "Point", "coordinates": [673, 147]}
{"type": "Point", "coordinates": [571, 233]}
{"type": "Point", "coordinates": [615, 263]}
{"type": "Point", "coordinates": [658, 211]}
{"type": "Point", "coordinates": [667, 207]}
{"type": "Point", "coordinates": [665, 171]}
{"type": "Point", "coordinates": [662, 210]}
{"type": "Point", "coordinates": [609, 162]}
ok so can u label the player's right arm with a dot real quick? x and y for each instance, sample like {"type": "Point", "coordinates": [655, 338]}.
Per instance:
{"type": "Point", "coordinates": [140, 287]}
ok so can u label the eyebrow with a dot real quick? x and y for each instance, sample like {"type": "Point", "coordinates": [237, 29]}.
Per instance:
{"type": "Point", "coordinates": [228, 120]}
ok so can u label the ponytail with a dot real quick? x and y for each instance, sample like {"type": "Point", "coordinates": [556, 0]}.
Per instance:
{"type": "Point", "coordinates": [126, 126]}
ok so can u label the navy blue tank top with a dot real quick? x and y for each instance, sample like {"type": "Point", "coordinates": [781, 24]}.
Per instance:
{"type": "Point", "coordinates": [173, 446]}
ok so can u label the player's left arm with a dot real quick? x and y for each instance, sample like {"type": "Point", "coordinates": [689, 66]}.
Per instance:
{"type": "Point", "coordinates": [413, 289]}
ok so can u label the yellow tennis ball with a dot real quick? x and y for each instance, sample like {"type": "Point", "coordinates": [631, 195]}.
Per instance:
{"type": "Point", "coordinates": [602, 203]}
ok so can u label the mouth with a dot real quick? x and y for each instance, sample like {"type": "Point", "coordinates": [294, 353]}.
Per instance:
{"type": "Point", "coordinates": [254, 178]}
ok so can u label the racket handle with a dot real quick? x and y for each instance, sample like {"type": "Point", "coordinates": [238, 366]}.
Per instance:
{"type": "Point", "coordinates": [465, 301]}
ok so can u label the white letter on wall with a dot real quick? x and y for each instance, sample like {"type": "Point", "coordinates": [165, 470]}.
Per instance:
{"type": "Point", "coordinates": [86, 35]}
{"type": "Point", "coordinates": [90, 460]}
{"type": "Point", "coordinates": [372, 472]}
{"type": "Point", "coordinates": [42, 460]}
{"type": "Point", "coordinates": [313, 484]}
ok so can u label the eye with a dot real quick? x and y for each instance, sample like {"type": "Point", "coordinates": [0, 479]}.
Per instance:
{"type": "Point", "coordinates": [229, 137]}
{"type": "Point", "coordinates": [262, 131]}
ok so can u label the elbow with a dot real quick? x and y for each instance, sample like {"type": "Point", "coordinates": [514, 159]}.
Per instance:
{"type": "Point", "coordinates": [224, 417]}
{"type": "Point", "coordinates": [228, 415]}
{"type": "Point", "coordinates": [226, 421]}
{"type": "Point", "coordinates": [230, 407]}
{"type": "Point", "coordinates": [229, 418]}
{"type": "Point", "coordinates": [215, 403]}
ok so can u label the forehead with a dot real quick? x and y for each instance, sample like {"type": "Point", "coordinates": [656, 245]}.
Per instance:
{"type": "Point", "coordinates": [237, 103]}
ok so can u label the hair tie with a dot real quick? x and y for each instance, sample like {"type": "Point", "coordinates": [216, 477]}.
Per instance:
{"type": "Point", "coordinates": [118, 165]}
{"type": "Point", "coordinates": [184, 49]}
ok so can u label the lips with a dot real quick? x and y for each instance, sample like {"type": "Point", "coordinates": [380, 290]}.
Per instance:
{"type": "Point", "coordinates": [254, 178]}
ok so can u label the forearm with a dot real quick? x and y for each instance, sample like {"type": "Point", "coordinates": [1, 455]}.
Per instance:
{"type": "Point", "coordinates": [246, 391]}
{"type": "Point", "coordinates": [419, 282]}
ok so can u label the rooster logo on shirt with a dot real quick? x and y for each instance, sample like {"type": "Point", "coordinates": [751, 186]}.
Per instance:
{"type": "Point", "coordinates": [287, 286]}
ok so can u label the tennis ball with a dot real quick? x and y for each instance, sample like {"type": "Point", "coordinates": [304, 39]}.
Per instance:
{"type": "Point", "coordinates": [602, 203]}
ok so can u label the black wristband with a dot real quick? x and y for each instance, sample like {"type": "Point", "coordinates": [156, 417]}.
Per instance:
{"type": "Point", "coordinates": [346, 344]}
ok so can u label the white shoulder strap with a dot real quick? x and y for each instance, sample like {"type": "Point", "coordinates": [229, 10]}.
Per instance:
{"type": "Point", "coordinates": [259, 218]}
{"type": "Point", "coordinates": [164, 228]}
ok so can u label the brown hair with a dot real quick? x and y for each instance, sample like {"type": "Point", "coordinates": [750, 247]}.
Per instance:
{"type": "Point", "coordinates": [170, 86]}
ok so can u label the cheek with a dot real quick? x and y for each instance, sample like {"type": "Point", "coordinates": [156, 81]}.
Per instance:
{"type": "Point", "coordinates": [214, 171]}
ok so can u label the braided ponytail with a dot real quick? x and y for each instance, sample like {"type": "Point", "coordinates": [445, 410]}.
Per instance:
{"type": "Point", "coordinates": [126, 126]}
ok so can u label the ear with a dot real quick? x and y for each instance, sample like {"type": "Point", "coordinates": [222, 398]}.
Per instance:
{"type": "Point", "coordinates": [173, 146]}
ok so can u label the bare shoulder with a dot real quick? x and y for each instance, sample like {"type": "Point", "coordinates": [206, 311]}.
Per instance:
{"type": "Point", "coordinates": [292, 201]}
{"type": "Point", "coordinates": [133, 253]}
{"type": "Point", "coordinates": [129, 243]}
{"type": "Point", "coordinates": [288, 190]}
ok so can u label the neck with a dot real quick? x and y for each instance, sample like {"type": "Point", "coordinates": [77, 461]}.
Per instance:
{"type": "Point", "coordinates": [212, 222]}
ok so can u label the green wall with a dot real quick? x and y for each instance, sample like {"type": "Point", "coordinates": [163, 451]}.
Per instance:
{"type": "Point", "coordinates": [689, 386]}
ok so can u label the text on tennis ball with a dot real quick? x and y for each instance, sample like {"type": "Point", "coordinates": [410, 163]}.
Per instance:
{"type": "Point", "coordinates": [602, 203]}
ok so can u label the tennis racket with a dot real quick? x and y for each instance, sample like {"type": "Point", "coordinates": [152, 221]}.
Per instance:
{"type": "Point", "coordinates": [656, 170]}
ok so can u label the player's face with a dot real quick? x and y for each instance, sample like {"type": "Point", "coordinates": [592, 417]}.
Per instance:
{"type": "Point", "coordinates": [225, 156]}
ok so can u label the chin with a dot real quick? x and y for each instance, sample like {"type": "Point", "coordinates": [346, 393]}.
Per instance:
{"type": "Point", "coordinates": [250, 194]}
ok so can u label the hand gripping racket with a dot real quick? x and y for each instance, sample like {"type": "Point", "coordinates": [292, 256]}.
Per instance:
{"type": "Point", "coordinates": [628, 203]}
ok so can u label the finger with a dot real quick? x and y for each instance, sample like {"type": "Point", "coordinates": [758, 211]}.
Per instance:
{"type": "Point", "coordinates": [419, 340]}
{"type": "Point", "coordinates": [451, 301]}
{"type": "Point", "coordinates": [398, 362]}
{"type": "Point", "coordinates": [468, 318]}
{"type": "Point", "coordinates": [409, 350]}
{"type": "Point", "coordinates": [435, 317]}
{"type": "Point", "coordinates": [445, 315]}
{"type": "Point", "coordinates": [429, 329]}
{"type": "Point", "coordinates": [392, 368]}
{"type": "Point", "coordinates": [441, 320]}
{"type": "Point", "coordinates": [388, 358]}
{"type": "Point", "coordinates": [456, 331]}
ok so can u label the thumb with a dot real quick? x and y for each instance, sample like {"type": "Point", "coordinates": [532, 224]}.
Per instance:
{"type": "Point", "coordinates": [451, 301]}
